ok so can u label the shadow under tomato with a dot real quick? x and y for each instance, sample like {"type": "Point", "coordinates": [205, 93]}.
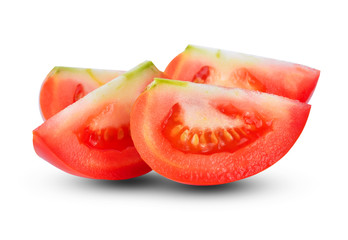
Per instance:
{"type": "Point", "coordinates": [153, 182]}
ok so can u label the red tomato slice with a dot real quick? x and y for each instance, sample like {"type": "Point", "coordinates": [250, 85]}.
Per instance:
{"type": "Point", "coordinates": [64, 86]}
{"type": "Point", "coordinates": [230, 69]}
{"type": "Point", "coordinates": [204, 135]}
{"type": "Point", "coordinates": [91, 137]}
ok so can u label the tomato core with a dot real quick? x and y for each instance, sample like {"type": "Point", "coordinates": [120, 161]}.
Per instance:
{"type": "Point", "coordinates": [220, 139]}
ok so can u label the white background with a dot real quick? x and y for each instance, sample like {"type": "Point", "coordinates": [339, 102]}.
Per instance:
{"type": "Point", "coordinates": [303, 196]}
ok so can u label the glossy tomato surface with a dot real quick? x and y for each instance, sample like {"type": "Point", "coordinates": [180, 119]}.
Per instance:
{"type": "Point", "coordinates": [65, 85]}
{"type": "Point", "coordinates": [201, 134]}
{"type": "Point", "coordinates": [231, 69]}
{"type": "Point", "coordinates": [91, 137]}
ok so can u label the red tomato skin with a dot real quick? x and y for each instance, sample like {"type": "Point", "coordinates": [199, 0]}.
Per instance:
{"type": "Point", "coordinates": [286, 79]}
{"type": "Point", "coordinates": [214, 169]}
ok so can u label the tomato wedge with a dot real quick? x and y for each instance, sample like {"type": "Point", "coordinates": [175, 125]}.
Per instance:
{"type": "Point", "coordinates": [231, 69]}
{"type": "Point", "coordinates": [65, 85]}
{"type": "Point", "coordinates": [201, 134]}
{"type": "Point", "coordinates": [91, 137]}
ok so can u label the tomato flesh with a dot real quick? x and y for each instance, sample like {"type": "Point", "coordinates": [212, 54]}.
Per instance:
{"type": "Point", "coordinates": [242, 78]}
{"type": "Point", "coordinates": [105, 131]}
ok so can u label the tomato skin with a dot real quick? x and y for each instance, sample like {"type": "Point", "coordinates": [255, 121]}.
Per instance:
{"type": "Point", "coordinates": [58, 140]}
{"type": "Point", "coordinates": [42, 149]}
{"type": "Point", "coordinates": [65, 85]}
{"type": "Point", "coordinates": [218, 168]}
{"type": "Point", "coordinates": [286, 79]}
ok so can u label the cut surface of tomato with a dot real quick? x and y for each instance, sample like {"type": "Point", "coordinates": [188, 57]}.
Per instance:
{"type": "Point", "coordinates": [231, 69]}
{"type": "Point", "coordinates": [65, 85]}
{"type": "Point", "coordinates": [204, 135]}
{"type": "Point", "coordinates": [91, 137]}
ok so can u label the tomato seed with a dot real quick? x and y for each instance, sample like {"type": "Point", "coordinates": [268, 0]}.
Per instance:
{"type": "Point", "coordinates": [227, 136]}
{"type": "Point", "coordinates": [175, 131]}
{"type": "Point", "coordinates": [184, 136]}
{"type": "Point", "coordinates": [195, 140]}
{"type": "Point", "coordinates": [120, 134]}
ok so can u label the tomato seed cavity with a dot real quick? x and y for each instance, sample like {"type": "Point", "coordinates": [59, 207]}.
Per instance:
{"type": "Point", "coordinates": [79, 92]}
{"type": "Point", "coordinates": [107, 139]}
{"type": "Point", "coordinates": [202, 75]}
{"type": "Point", "coordinates": [209, 141]}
